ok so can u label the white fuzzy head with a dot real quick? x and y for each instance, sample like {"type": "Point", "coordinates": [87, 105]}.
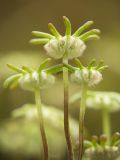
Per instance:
{"type": "Point", "coordinates": [71, 47]}
{"type": "Point", "coordinates": [55, 48]}
{"type": "Point", "coordinates": [75, 47]}
{"type": "Point", "coordinates": [90, 77]}
{"type": "Point", "coordinates": [35, 80]}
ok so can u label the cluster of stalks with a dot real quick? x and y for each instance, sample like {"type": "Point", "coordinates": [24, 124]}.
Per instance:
{"type": "Point", "coordinates": [69, 46]}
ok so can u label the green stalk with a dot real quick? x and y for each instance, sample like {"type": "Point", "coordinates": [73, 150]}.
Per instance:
{"type": "Point", "coordinates": [66, 112]}
{"type": "Point", "coordinates": [106, 123]}
{"type": "Point", "coordinates": [81, 119]}
{"type": "Point", "coordinates": [41, 123]}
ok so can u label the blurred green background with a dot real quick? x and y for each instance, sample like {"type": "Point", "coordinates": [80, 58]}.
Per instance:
{"type": "Point", "coordinates": [19, 17]}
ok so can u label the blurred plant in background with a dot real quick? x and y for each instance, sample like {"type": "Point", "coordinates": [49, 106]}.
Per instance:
{"type": "Point", "coordinates": [107, 146]}
{"type": "Point", "coordinates": [22, 131]}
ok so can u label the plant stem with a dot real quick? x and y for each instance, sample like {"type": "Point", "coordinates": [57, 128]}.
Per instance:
{"type": "Point", "coordinates": [66, 112]}
{"type": "Point", "coordinates": [81, 119]}
{"type": "Point", "coordinates": [41, 123]}
{"type": "Point", "coordinates": [106, 123]}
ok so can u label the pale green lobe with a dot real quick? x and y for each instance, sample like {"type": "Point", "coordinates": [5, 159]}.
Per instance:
{"type": "Point", "coordinates": [91, 37]}
{"type": "Point", "coordinates": [117, 143]}
{"type": "Point", "coordinates": [115, 138]}
{"type": "Point", "coordinates": [89, 33]}
{"type": "Point", "coordinates": [78, 63]}
{"type": "Point", "coordinates": [42, 34]}
{"type": "Point", "coordinates": [53, 30]}
{"type": "Point", "coordinates": [71, 68]}
{"type": "Point", "coordinates": [83, 28]}
{"type": "Point", "coordinates": [54, 69]}
{"type": "Point", "coordinates": [27, 69]}
{"type": "Point", "coordinates": [14, 85]}
{"type": "Point", "coordinates": [37, 41]}
{"type": "Point", "coordinates": [67, 25]}
{"type": "Point", "coordinates": [43, 64]}
{"type": "Point", "coordinates": [100, 64]}
{"type": "Point", "coordinates": [102, 68]}
{"type": "Point", "coordinates": [88, 144]}
{"type": "Point", "coordinates": [103, 140]}
{"type": "Point", "coordinates": [10, 80]}
{"type": "Point", "coordinates": [91, 63]}
{"type": "Point", "coordinates": [19, 70]}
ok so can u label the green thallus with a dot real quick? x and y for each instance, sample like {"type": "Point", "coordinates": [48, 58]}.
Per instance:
{"type": "Point", "coordinates": [65, 47]}
{"type": "Point", "coordinates": [86, 77]}
{"type": "Point", "coordinates": [31, 80]}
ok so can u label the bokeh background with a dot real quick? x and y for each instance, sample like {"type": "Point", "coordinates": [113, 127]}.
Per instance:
{"type": "Point", "coordinates": [19, 17]}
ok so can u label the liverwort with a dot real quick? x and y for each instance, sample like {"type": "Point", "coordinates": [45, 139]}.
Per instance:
{"type": "Point", "coordinates": [34, 81]}
{"type": "Point", "coordinates": [86, 77]}
{"type": "Point", "coordinates": [66, 47]}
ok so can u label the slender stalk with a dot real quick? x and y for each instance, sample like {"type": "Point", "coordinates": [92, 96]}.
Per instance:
{"type": "Point", "coordinates": [66, 112]}
{"type": "Point", "coordinates": [41, 123]}
{"type": "Point", "coordinates": [81, 119]}
{"type": "Point", "coordinates": [106, 123]}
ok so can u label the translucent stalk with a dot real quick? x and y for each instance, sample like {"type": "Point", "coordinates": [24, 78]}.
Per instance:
{"type": "Point", "coordinates": [41, 123]}
{"type": "Point", "coordinates": [106, 123]}
{"type": "Point", "coordinates": [81, 119]}
{"type": "Point", "coordinates": [66, 112]}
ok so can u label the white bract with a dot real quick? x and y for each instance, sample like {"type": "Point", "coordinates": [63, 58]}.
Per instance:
{"type": "Point", "coordinates": [85, 75]}
{"type": "Point", "coordinates": [69, 47]}
{"type": "Point", "coordinates": [95, 77]}
{"type": "Point", "coordinates": [46, 80]}
{"type": "Point", "coordinates": [77, 76]}
{"type": "Point", "coordinates": [29, 81]}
